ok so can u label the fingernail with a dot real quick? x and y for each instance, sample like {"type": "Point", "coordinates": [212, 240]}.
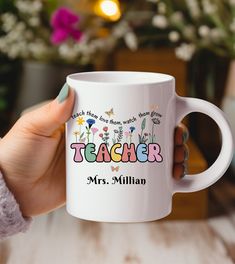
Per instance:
{"type": "Point", "coordinates": [64, 92]}
{"type": "Point", "coordinates": [185, 136]}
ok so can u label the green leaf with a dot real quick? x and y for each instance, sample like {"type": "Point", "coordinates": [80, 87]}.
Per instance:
{"type": "Point", "coordinates": [143, 125]}
{"type": "Point", "coordinates": [140, 141]}
{"type": "Point", "coordinates": [81, 136]}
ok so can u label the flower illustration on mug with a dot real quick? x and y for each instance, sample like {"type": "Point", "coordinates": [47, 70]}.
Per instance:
{"type": "Point", "coordinates": [76, 134]}
{"type": "Point", "coordinates": [94, 130]}
{"type": "Point", "coordinates": [143, 137]}
{"type": "Point", "coordinates": [152, 136]}
{"type": "Point", "coordinates": [105, 136]}
{"type": "Point", "coordinates": [132, 129]}
{"type": "Point", "coordinates": [115, 133]}
{"type": "Point", "coordinates": [80, 122]}
{"type": "Point", "coordinates": [127, 134]}
{"type": "Point", "coordinates": [90, 123]}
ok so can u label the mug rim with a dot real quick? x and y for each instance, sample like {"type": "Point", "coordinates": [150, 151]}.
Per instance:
{"type": "Point", "coordinates": [113, 78]}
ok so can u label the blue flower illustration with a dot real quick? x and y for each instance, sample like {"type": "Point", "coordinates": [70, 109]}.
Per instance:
{"type": "Point", "coordinates": [132, 129]}
{"type": "Point", "coordinates": [90, 122]}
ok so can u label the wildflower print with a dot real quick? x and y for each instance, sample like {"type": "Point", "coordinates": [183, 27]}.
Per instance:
{"type": "Point", "coordinates": [105, 136]}
{"type": "Point", "coordinates": [94, 130]}
{"type": "Point", "coordinates": [127, 133]}
{"type": "Point", "coordinates": [90, 123]}
{"type": "Point", "coordinates": [152, 136]}
{"type": "Point", "coordinates": [143, 137]}
{"type": "Point", "coordinates": [132, 129]}
{"type": "Point", "coordinates": [115, 132]}
{"type": "Point", "coordinates": [82, 138]}
{"type": "Point", "coordinates": [76, 134]}
{"type": "Point", "coordinates": [120, 134]}
{"type": "Point", "coordinates": [80, 122]}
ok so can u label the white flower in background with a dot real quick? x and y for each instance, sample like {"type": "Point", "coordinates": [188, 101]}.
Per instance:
{"type": "Point", "coordinates": [232, 26]}
{"type": "Point", "coordinates": [34, 21]}
{"type": "Point", "coordinates": [162, 8]}
{"type": "Point", "coordinates": [66, 51]}
{"type": "Point", "coordinates": [174, 36]}
{"type": "Point", "coordinates": [38, 49]}
{"type": "Point", "coordinates": [216, 34]}
{"type": "Point", "coordinates": [120, 29]}
{"type": "Point", "coordinates": [232, 2]}
{"type": "Point", "coordinates": [185, 51]}
{"type": "Point", "coordinates": [29, 7]}
{"type": "Point", "coordinates": [160, 21]}
{"type": "Point", "coordinates": [189, 32]}
{"type": "Point", "coordinates": [153, 1]}
{"type": "Point", "coordinates": [208, 7]}
{"type": "Point", "coordinates": [177, 17]}
{"type": "Point", "coordinates": [131, 41]}
{"type": "Point", "coordinates": [16, 34]}
{"type": "Point", "coordinates": [193, 7]}
{"type": "Point", "coordinates": [8, 21]}
{"type": "Point", "coordinates": [204, 31]}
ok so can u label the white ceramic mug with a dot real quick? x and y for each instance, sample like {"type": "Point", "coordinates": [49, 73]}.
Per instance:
{"type": "Point", "coordinates": [119, 146]}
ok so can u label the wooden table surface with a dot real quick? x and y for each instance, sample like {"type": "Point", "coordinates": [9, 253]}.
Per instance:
{"type": "Point", "coordinates": [59, 238]}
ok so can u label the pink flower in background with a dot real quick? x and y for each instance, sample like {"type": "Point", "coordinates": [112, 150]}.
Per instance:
{"type": "Point", "coordinates": [64, 23]}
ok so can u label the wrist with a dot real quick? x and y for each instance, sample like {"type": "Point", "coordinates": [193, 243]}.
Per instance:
{"type": "Point", "coordinates": [11, 218]}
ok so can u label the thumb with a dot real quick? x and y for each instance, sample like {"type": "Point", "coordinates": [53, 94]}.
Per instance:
{"type": "Point", "coordinates": [47, 119]}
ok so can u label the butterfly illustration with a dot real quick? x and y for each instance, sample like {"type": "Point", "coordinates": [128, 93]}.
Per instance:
{"type": "Point", "coordinates": [153, 107]}
{"type": "Point", "coordinates": [115, 168]}
{"type": "Point", "coordinates": [109, 113]}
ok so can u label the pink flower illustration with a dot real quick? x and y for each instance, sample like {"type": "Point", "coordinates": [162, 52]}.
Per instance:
{"type": "Point", "coordinates": [105, 129]}
{"type": "Point", "coordinates": [127, 134]}
{"type": "Point", "coordinates": [94, 130]}
{"type": "Point", "coordinates": [64, 23]}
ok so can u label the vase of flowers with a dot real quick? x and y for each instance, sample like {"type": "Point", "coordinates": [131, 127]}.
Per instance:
{"type": "Point", "coordinates": [52, 41]}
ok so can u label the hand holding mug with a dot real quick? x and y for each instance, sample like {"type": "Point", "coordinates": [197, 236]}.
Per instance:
{"type": "Point", "coordinates": [32, 155]}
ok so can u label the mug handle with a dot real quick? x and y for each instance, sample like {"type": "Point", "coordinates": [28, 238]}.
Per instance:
{"type": "Point", "coordinates": [196, 182]}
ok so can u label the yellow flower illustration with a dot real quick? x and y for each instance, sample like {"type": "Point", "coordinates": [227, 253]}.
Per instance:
{"type": "Point", "coordinates": [80, 121]}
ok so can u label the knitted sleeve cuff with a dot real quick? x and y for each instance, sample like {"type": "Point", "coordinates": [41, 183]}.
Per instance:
{"type": "Point", "coordinates": [11, 219]}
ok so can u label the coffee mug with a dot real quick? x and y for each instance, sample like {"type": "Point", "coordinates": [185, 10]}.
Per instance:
{"type": "Point", "coordinates": [119, 146]}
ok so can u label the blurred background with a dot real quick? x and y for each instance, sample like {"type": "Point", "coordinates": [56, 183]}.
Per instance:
{"type": "Point", "coordinates": [194, 40]}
